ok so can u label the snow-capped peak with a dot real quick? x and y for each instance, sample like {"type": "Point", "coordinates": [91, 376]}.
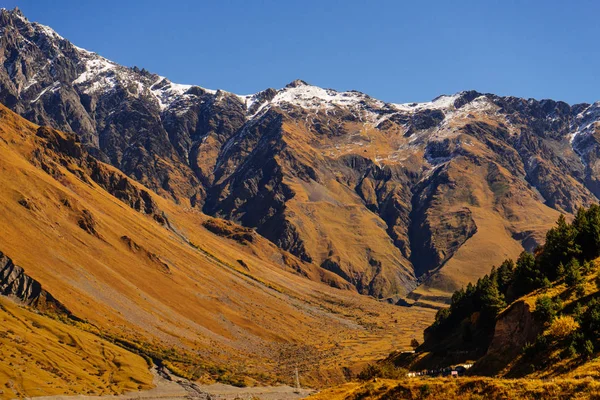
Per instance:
{"type": "Point", "coordinates": [304, 95]}
{"type": "Point", "coordinates": [313, 98]}
{"type": "Point", "coordinates": [442, 102]}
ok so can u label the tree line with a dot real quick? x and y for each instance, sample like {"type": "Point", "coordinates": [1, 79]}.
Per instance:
{"type": "Point", "coordinates": [566, 256]}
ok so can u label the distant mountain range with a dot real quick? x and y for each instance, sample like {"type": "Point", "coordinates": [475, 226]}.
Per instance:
{"type": "Point", "coordinates": [405, 202]}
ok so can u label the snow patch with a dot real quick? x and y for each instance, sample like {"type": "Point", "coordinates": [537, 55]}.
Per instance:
{"type": "Point", "coordinates": [55, 86]}
{"type": "Point", "coordinates": [167, 93]}
{"type": "Point", "coordinates": [585, 124]}
{"type": "Point", "coordinates": [47, 31]}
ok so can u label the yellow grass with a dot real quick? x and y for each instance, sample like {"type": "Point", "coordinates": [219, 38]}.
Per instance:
{"type": "Point", "coordinates": [41, 356]}
{"type": "Point", "coordinates": [464, 388]}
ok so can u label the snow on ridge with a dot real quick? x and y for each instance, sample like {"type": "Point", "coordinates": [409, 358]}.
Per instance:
{"type": "Point", "coordinates": [99, 73]}
{"type": "Point", "coordinates": [314, 98]}
{"type": "Point", "coordinates": [166, 92]}
{"type": "Point", "coordinates": [309, 96]}
{"type": "Point", "coordinates": [481, 103]}
{"type": "Point", "coordinates": [439, 103]}
{"type": "Point", "coordinates": [248, 99]}
{"type": "Point", "coordinates": [94, 67]}
{"type": "Point", "coordinates": [85, 51]}
{"type": "Point", "coordinates": [366, 108]}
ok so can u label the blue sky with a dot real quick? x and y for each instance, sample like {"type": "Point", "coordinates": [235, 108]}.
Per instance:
{"type": "Point", "coordinates": [393, 50]}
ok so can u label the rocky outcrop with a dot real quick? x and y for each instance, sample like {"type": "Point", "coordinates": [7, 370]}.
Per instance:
{"type": "Point", "coordinates": [87, 222]}
{"type": "Point", "coordinates": [150, 256]}
{"type": "Point", "coordinates": [15, 283]}
{"type": "Point", "coordinates": [229, 230]}
{"type": "Point", "coordinates": [437, 229]}
{"type": "Point", "coordinates": [515, 327]}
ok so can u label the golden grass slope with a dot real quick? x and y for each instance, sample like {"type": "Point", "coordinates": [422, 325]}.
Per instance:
{"type": "Point", "coordinates": [463, 388]}
{"type": "Point", "coordinates": [207, 306]}
{"type": "Point", "coordinates": [41, 356]}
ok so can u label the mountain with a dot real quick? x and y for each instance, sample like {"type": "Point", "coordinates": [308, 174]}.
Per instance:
{"type": "Point", "coordinates": [384, 196]}
{"type": "Point", "coordinates": [108, 262]}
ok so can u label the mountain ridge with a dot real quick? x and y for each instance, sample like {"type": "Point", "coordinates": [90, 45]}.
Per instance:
{"type": "Point", "coordinates": [344, 181]}
{"type": "Point", "coordinates": [179, 89]}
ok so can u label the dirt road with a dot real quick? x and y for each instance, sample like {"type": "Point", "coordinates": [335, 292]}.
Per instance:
{"type": "Point", "coordinates": [169, 387]}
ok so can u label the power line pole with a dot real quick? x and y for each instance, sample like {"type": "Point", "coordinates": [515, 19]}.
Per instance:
{"type": "Point", "coordinates": [297, 380]}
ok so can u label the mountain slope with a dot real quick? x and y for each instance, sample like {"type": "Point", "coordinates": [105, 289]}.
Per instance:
{"type": "Point", "coordinates": [383, 195]}
{"type": "Point", "coordinates": [211, 298]}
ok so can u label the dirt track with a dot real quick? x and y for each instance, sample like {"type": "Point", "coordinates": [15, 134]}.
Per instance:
{"type": "Point", "coordinates": [171, 387]}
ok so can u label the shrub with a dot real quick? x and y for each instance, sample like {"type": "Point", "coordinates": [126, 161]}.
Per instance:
{"type": "Point", "coordinates": [580, 290]}
{"type": "Point", "coordinates": [590, 320]}
{"type": "Point", "coordinates": [572, 351]}
{"type": "Point", "coordinates": [578, 343]}
{"type": "Point", "coordinates": [587, 267]}
{"type": "Point", "coordinates": [563, 327]}
{"type": "Point", "coordinates": [577, 312]}
{"type": "Point", "coordinates": [381, 370]}
{"type": "Point", "coordinates": [370, 371]}
{"type": "Point", "coordinates": [530, 350]}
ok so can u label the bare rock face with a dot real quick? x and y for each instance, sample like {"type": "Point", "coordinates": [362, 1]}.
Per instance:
{"type": "Point", "coordinates": [514, 328]}
{"type": "Point", "coordinates": [382, 194]}
{"type": "Point", "coordinates": [15, 283]}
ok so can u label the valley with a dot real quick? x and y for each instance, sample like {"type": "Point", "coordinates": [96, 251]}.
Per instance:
{"type": "Point", "coordinates": [197, 308]}
{"type": "Point", "coordinates": [152, 232]}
